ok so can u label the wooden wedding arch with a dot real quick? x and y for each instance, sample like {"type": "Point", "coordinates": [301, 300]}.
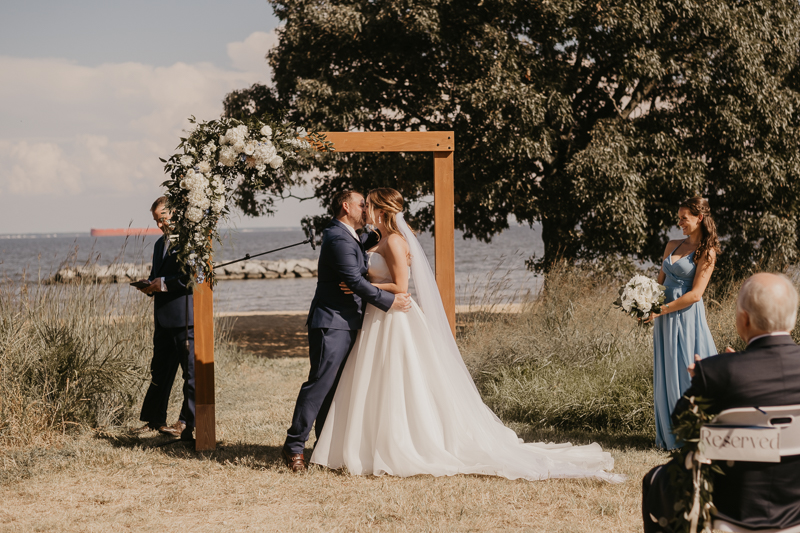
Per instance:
{"type": "Point", "coordinates": [442, 144]}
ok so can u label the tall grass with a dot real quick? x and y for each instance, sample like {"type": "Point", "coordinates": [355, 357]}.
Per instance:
{"type": "Point", "coordinates": [70, 355]}
{"type": "Point", "coordinates": [572, 361]}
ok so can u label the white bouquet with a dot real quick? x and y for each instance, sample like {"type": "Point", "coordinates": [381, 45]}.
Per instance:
{"type": "Point", "coordinates": [640, 297]}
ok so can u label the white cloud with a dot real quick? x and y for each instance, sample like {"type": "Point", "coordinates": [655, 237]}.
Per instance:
{"type": "Point", "coordinates": [38, 168]}
{"type": "Point", "coordinates": [69, 128]}
{"type": "Point", "coordinates": [250, 55]}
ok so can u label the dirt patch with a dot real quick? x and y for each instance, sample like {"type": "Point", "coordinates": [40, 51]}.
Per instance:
{"type": "Point", "coordinates": [271, 336]}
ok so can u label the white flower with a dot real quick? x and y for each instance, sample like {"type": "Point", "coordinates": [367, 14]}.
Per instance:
{"type": "Point", "coordinates": [209, 149]}
{"type": "Point", "coordinates": [197, 198]}
{"type": "Point", "coordinates": [184, 184]}
{"type": "Point", "coordinates": [204, 203]}
{"type": "Point", "coordinates": [187, 161]}
{"type": "Point", "coordinates": [301, 132]}
{"type": "Point", "coordinates": [260, 167]}
{"type": "Point", "coordinates": [194, 214]}
{"type": "Point", "coordinates": [204, 167]}
{"type": "Point", "coordinates": [266, 131]}
{"type": "Point", "coordinates": [264, 153]}
{"type": "Point", "coordinates": [627, 304]}
{"type": "Point", "coordinates": [223, 140]}
{"type": "Point", "coordinates": [276, 162]}
{"type": "Point", "coordinates": [227, 156]}
{"type": "Point", "coordinates": [249, 148]}
{"type": "Point", "coordinates": [640, 294]}
{"type": "Point", "coordinates": [238, 146]}
{"type": "Point", "coordinates": [218, 204]}
{"type": "Point", "coordinates": [237, 134]}
{"type": "Point", "coordinates": [194, 181]}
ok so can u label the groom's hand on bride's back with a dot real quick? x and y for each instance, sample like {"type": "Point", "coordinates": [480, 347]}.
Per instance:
{"type": "Point", "coordinates": [402, 302]}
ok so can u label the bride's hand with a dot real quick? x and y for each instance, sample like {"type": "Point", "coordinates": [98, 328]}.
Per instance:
{"type": "Point", "coordinates": [402, 302]}
{"type": "Point", "coordinates": [345, 288]}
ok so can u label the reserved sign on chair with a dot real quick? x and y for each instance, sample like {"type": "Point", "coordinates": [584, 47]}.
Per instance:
{"type": "Point", "coordinates": [737, 443]}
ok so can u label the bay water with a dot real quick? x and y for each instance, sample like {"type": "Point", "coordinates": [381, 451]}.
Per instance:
{"type": "Point", "coordinates": [485, 272]}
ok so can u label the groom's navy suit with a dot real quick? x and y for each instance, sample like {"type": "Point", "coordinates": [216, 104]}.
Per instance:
{"type": "Point", "coordinates": [169, 340]}
{"type": "Point", "coordinates": [333, 323]}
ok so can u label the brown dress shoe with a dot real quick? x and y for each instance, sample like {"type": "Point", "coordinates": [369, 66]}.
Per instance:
{"type": "Point", "coordinates": [172, 430]}
{"type": "Point", "coordinates": [295, 461]}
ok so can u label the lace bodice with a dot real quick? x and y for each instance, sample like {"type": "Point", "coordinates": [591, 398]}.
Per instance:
{"type": "Point", "coordinates": [378, 270]}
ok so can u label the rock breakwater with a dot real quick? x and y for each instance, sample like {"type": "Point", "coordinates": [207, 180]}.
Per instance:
{"type": "Point", "coordinates": [128, 272]}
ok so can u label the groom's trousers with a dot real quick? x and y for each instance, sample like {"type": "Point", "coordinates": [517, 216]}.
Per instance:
{"type": "Point", "coordinates": [327, 350]}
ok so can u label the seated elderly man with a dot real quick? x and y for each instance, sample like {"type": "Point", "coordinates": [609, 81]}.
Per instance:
{"type": "Point", "coordinates": [767, 373]}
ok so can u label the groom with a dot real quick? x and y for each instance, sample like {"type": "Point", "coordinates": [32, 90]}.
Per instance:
{"type": "Point", "coordinates": [335, 318]}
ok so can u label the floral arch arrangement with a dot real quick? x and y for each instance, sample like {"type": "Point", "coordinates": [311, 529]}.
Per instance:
{"type": "Point", "coordinates": [215, 159]}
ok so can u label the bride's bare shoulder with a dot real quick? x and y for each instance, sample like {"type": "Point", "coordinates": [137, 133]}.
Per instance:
{"type": "Point", "coordinates": [396, 241]}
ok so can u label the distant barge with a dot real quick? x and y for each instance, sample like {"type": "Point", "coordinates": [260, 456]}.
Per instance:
{"type": "Point", "coordinates": [124, 231]}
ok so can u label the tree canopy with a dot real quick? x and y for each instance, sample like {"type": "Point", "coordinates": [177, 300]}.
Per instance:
{"type": "Point", "coordinates": [595, 118]}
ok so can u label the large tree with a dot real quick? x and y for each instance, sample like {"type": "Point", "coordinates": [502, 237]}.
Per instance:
{"type": "Point", "coordinates": [595, 118]}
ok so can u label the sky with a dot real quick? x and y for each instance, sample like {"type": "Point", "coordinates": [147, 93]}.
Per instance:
{"type": "Point", "coordinates": [92, 93]}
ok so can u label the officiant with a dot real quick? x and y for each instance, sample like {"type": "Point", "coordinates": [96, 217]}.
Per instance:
{"type": "Point", "coordinates": [173, 339]}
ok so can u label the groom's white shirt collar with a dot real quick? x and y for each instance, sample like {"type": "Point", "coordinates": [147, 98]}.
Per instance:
{"type": "Point", "coordinates": [351, 229]}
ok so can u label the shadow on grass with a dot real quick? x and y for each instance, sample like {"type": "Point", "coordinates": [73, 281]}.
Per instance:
{"type": "Point", "coordinates": [259, 456]}
{"type": "Point", "coordinates": [252, 455]}
{"type": "Point", "coordinates": [623, 442]}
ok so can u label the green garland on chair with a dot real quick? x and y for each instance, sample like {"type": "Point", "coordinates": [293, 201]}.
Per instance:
{"type": "Point", "coordinates": [691, 476]}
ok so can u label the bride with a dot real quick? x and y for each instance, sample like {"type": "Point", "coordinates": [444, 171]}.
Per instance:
{"type": "Point", "coordinates": [406, 403]}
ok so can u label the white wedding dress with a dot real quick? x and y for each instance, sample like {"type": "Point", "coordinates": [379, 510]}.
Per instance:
{"type": "Point", "coordinates": [406, 405]}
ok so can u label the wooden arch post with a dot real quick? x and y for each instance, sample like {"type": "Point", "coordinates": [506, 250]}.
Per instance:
{"type": "Point", "coordinates": [442, 144]}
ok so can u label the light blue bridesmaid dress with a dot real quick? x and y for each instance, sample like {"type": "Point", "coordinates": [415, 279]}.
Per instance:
{"type": "Point", "coordinates": [677, 337]}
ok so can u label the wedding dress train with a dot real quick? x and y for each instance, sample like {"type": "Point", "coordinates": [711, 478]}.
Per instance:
{"type": "Point", "coordinates": [406, 404]}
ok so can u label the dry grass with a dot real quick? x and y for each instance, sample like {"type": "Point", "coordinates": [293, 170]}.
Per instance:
{"type": "Point", "coordinates": [555, 371]}
{"type": "Point", "coordinates": [108, 481]}
{"type": "Point", "coordinates": [67, 358]}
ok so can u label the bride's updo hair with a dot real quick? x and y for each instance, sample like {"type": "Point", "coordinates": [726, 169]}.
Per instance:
{"type": "Point", "coordinates": [390, 202]}
{"type": "Point", "coordinates": [708, 241]}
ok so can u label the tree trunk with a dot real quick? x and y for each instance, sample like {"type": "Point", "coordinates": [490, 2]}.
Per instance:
{"type": "Point", "coordinates": [558, 233]}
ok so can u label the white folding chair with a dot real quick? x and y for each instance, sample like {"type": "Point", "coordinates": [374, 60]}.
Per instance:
{"type": "Point", "coordinates": [753, 430]}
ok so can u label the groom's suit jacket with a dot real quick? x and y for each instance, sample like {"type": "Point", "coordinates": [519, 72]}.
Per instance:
{"type": "Point", "coordinates": [342, 257]}
{"type": "Point", "coordinates": [169, 307]}
{"type": "Point", "coordinates": [767, 373]}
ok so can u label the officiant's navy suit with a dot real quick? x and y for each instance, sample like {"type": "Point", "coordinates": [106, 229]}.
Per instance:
{"type": "Point", "coordinates": [169, 340]}
{"type": "Point", "coordinates": [333, 323]}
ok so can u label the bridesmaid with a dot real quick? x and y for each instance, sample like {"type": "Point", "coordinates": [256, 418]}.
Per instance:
{"type": "Point", "coordinates": [680, 330]}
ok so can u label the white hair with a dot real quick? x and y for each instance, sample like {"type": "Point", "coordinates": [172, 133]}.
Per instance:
{"type": "Point", "coordinates": [770, 303]}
